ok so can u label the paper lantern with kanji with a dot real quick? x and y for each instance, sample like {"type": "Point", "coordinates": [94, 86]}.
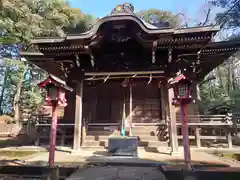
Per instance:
{"type": "Point", "coordinates": [56, 89]}
{"type": "Point", "coordinates": [182, 89]}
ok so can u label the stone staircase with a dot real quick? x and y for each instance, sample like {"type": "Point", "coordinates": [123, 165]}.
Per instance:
{"type": "Point", "coordinates": [97, 137]}
{"type": "Point", "coordinates": [149, 136]}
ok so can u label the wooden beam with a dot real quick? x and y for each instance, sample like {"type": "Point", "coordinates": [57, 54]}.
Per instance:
{"type": "Point", "coordinates": [123, 73]}
{"type": "Point", "coordinates": [120, 77]}
{"type": "Point", "coordinates": [197, 137]}
{"type": "Point", "coordinates": [181, 137]}
{"type": "Point", "coordinates": [51, 61]}
{"type": "Point", "coordinates": [208, 124]}
{"type": "Point", "coordinates": [205, 137]}
{"type": "Point", "coordinates": [130, 108]}
{"type": "Point", "coordinates": [163, 101]}
{"type": "Point", "coordinates": [207, 29]}
{"type": "Point", "coordinates": [229, 137]}
{"type": "Point", "coordinates": [173, 127]}
{"type": "Point", "coordinates": [78, 117]}
{"type": "Point", "coordinates": [36, 54]}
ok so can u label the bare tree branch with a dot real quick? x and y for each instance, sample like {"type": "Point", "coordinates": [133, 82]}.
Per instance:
{"type": "Point", "coordinates": [207, 16]}
{"type": "Point", "coordinates": [184, 18]}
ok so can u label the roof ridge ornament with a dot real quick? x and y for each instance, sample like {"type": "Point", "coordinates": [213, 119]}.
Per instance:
{"type": "Point", "coordinates": [124, 8]}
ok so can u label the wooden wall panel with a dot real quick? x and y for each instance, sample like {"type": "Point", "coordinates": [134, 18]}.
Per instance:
{"type": "Point", "coordinates": [69, 110]}
{"type": "Point", "coordinates": [104, 102]}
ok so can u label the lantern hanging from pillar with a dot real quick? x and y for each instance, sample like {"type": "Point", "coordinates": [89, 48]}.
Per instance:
{"type": "Point", "coordinates": [182, 89]}
{"type": "Point", "coordinates": [56, 89]}
{"type": "Point", "coordinates": [55, 97]}
{"type": "Point", "coordinates": [182, 97]}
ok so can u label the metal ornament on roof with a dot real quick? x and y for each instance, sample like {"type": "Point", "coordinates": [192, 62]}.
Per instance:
{"type": "Point", "coordinates": [124, 8]}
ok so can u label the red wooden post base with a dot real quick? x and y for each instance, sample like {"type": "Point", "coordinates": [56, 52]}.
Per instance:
{"type": "Point", "coordinates": [53, 135]}
{"type": "Point", "coordinates": [184, 119]}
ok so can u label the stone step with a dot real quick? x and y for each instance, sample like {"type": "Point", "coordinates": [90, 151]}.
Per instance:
{"type": "Point", "coordinates": [104, 143]}
{"type": "Point", "coordinates": [145, 133]}
{"type": "Point", "coordinates": [148, 138]}
{"type": "Point", "coordinates": [136, 128]}
{"type": "Point", "coordinates": [153, 144]}
{"type": "Point", "coordinates": [99, 138]}
{"type": "Point", "coordinates": [95, 143]}
{"type": "Point", "coordinates": [98, 148]}
{"type": "Point", "coordinates": [102, 133]}
{"type": "Point", "coordinates": [147, 128]}
{"type": "Point", "coordinates": [102, 128]}
{"type": "Point", "coordinates": [104, 138]}
{"type": "Point", "coordinates": [144, 129]}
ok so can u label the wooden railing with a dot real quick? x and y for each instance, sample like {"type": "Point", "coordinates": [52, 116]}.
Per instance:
{"type": "Point", "coordinates": [204, 118]}
{"type": "Point", "coordinates": [43, 132]}
{"type": "Point", "coordinates": [208, 127]}
{"type": "Point", "coordinates": [197, 127]}
{"type": "Point", "coordinates": [85, 126]}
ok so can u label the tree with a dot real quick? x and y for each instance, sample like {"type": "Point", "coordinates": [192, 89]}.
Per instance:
{"type": "Point", "coordinates": [223, 90]}
{"type": "Point", "coordinates": [158, 17]}
{"type": "Point", "coordinates": [230, 17]}
{"type": "Point", "coordinates": [26, 98]}
{"type": "Point", "coordinates": [82, 25]}
{"type": "Point", "coordinates": [221, 86]}
{"type": "Point", "coordinates": [21, 21]}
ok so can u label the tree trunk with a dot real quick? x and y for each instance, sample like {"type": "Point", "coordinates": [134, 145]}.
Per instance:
{"type": "Point", "coordinates": [3, 88]}
{"type": "Point", "coordinates": [219, 74]}
{"type": "Point", "coordinates": [230, 80]}
{"type": "Point", "coordinates": [16, 107]}
{"type": "Point", "coordinates": [233, 74]}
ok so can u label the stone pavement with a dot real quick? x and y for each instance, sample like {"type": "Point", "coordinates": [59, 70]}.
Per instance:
{"type": "Point", "coordinates": [134, 171]}
{"type": "Point", "coordinates": [85, 156]}
{"type": "Point", "coordinates": [118, 173]}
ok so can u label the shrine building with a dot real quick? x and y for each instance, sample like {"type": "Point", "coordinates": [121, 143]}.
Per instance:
{"type": "Point", "coordinates": [124, 61]}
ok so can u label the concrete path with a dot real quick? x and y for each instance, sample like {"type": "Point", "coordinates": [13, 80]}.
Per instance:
{"type": "Point", "coordinates": [118, 173]}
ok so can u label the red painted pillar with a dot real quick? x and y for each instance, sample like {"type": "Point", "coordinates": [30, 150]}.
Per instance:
{"type": "Point", "coordinates": [184, 119]}
{"type": "Point", "coordinates": [53, 134]}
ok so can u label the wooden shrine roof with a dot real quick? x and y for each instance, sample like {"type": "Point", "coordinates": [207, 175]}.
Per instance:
{"type": "Point", "coordinates": [192, 33]}
{"type": "Point", "coordinates": [123, 42]}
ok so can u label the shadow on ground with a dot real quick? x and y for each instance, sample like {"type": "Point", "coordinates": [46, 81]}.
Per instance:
{"type": "Point", "coordinates": [102, 157]}
{"type": "Point", "coordinates": [155, 150]}
{"type": "Point", "coordinates": [101, 162]}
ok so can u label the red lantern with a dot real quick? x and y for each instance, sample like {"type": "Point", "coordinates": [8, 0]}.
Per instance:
{"type": "Point", "coordinates": [55, 90]}
{"type": "Point", "coordinates": [182, 90]}
{"type": "Point", "coordinates": [55, 97]}
{"type": "Point", "coordinates": [182, 97]}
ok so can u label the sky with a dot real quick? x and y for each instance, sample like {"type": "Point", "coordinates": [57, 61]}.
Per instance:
{"type": "Point", "coordinates": [194, 9]}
